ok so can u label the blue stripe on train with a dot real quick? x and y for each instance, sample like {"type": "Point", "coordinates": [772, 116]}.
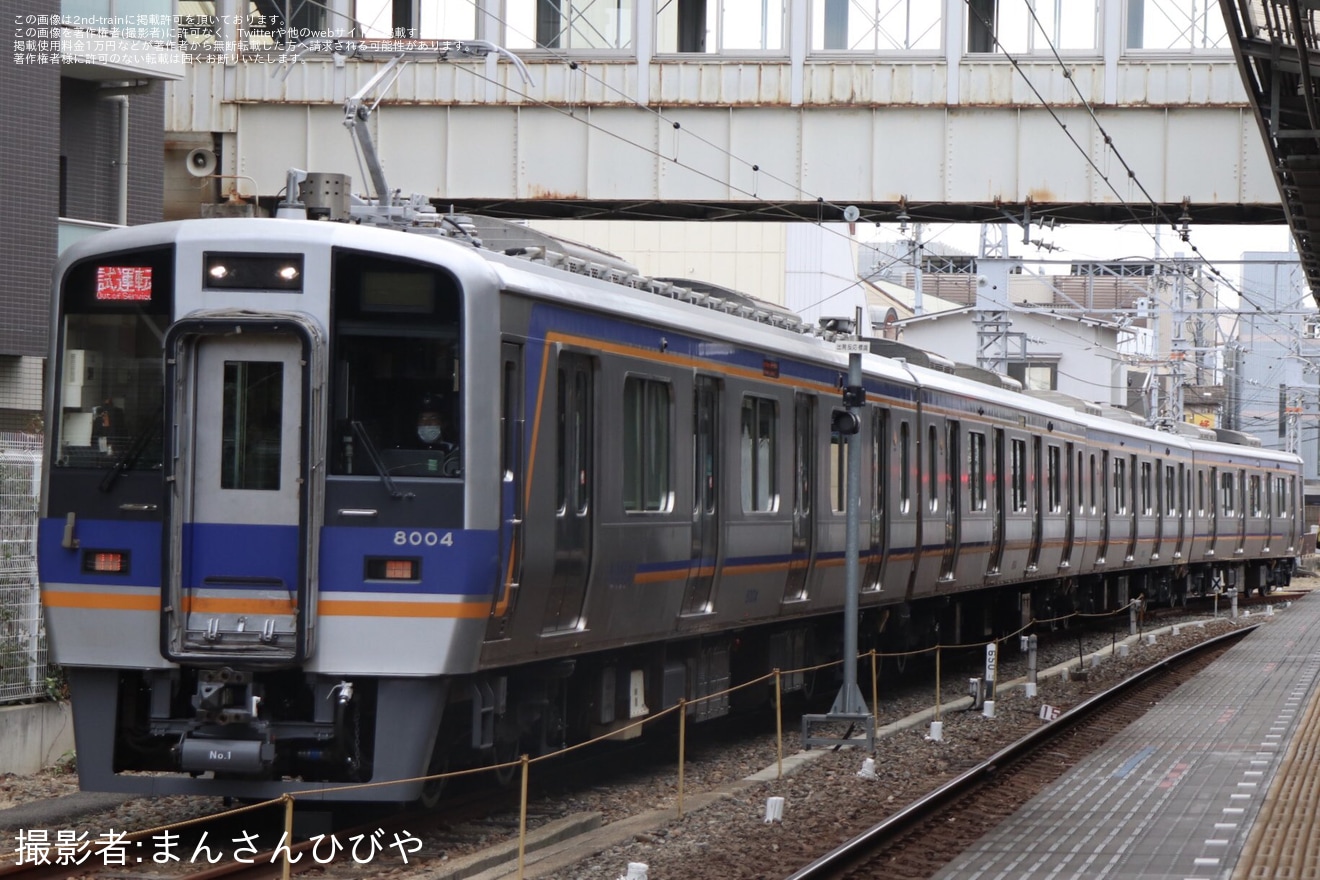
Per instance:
{"type": "Point", "coordinates": [465, 566]}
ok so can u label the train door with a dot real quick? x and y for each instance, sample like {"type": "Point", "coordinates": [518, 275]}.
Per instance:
{"type": "Point", "coordinates": [1161, 494]}
{"type": "Point", "coordinates": [1133, 508]}
{"type": "Point", "coordinates": [1183, 509]}
{"type": "Point", "coordinates": [1072, 501]}
{"type": "Point", "coordinates": [241, 550]}
{"type": "Point", "coordinates": [1000, 503]}
{"type": "Point", "coordinates": [705, 496]}
{"type": "Point", "coordinates": [873, 578]}
{"type": "Point", "coordinates": [1038, 477]}
{"type": "Point", "coordinates": [952, 507]}
{"type": "Point", "coordinates": [1105, 507]}
{"type": "Point", "coordinates": [1213, 507]}
{"type": "Point", "coordinates": [1241, 510]}
{"type": "Point", "coordinates": [511, 488]}
{"type": "Point", "coordinates": [804, 485]}
{"type": "Point", "coordinates": [574, 486]}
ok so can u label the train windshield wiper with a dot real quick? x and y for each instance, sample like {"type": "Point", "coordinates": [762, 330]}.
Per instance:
{"type": "Point", "coordinates": [136, 447]}
{"type": "Point", "coordinates": [379, 465]}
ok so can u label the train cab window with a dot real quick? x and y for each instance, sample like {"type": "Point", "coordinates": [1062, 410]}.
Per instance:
{"type": "Point", "coordinates": [396, 384]}
{"type": "Point", "coordinates": [647, 409]}
{"type": "Point", "coordinates": [976, 470]}
{"type": "Point", "coordinates": [116, 309]}
{"type": "Point", "coordinates": [760, 428]}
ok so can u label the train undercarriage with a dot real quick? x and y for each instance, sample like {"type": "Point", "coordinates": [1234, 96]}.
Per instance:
{"type": "Point", "coordinates": [256, 733]}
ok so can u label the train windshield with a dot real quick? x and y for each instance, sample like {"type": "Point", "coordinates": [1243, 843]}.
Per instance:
{"type": "Point", "coordinates": [116, 309]}
{"type": "Point", "coordinates": [395, 387]}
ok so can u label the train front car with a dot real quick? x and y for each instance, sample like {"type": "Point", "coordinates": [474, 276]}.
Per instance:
{"type": "Point", "coordinates": [256, 553]}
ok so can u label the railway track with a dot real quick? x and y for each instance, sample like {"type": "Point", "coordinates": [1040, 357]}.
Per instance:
{"type": "Point", "coordinates": [919, 839]}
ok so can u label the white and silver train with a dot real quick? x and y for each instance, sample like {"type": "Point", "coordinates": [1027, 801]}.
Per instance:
{"type": "Point", "coordinates": [261, 579]}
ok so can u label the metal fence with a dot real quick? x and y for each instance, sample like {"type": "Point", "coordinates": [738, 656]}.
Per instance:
{"type": "Point", "coordinates": [23, 662]}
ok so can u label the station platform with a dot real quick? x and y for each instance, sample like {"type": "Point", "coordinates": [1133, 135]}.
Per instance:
{"type": "Point", "coordinates": [1220, 780]}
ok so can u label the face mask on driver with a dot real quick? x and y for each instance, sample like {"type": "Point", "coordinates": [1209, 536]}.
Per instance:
{"type": "Point", "coordinates": [428, 433]}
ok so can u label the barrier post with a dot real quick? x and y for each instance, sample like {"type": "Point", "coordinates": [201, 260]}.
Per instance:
{"type": "Point", "coordinates": [522, 817]}
{"type": "Point", "coordinates": [937, 683]}
{"type": "Point", "coordinates": [288, 835]}
{"type": "Point", "coordinates": [875, 690]}
{"type": "Point", "coordinates": [682, 746]}
{"type": "Point", "coordinates": [779, 724]}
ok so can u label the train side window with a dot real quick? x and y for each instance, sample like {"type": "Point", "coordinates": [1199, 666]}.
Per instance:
{"type": "Point", "coordinates": [1170, 491]}
{"type": "Point", "coordinates": [1092, 481]}
{"type": "Point", "coordinates": [760, 428]}
{"type": "Point", "coordinates": [647, 407]}
{"type": "Point", "coordinates": [1054, 479]}
{"type": "Point", "coordinates": [1226, 493]}
{"type": "Point", "coordinates": [1120, 485]}
{"type": "Point", "coordinates": [1018, 476]}
{"type": "Point", "coordinates": [904, 468]}
{"type": "Point", "coordinates": [1200, 493]}
{"type": "Point", "coordinates": [1253, 494]}
{"type": "Point", "coordinates": [838, 472]}
{"type": "Point", "coordinates": [976, 469]}
{"type": "Point", "coordinates": [933, 469]}
{"type": "Point", "coordinates": [1081, 477]}
{"type": "Point", "coordinates": [1147, 507]}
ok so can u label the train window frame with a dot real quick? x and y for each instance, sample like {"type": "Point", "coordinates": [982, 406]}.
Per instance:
{"type": "Point", "coordinates": [1254, 501]}
{"type": "Point", "coordinates": [1226, 493]}
{"type": "Point", "coordinates": [758, 445]}
{"type": "Point", "coordinates": [648, 445]}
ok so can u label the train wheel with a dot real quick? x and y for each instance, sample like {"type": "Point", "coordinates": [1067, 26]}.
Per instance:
{"type": "Point", "coordinates": [433, 789]}
{"type": "Point", "coordinates": [505, 754]}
